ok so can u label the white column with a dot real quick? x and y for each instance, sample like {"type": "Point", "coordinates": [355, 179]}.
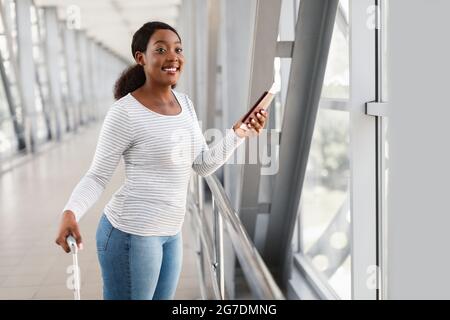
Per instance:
{"type": "Point", "coordinates": [73, 81]}
{"type": "Point", "coordinates": [27, 69]}
{"type": "Point", "coordinates": [52, 47]}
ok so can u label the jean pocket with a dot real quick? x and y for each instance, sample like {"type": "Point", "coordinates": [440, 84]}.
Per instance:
{"type": "Point", "coordinates": [103, 234]}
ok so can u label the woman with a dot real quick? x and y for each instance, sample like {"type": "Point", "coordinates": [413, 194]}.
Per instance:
{"type": "Point", "coordinates": [139, 242]}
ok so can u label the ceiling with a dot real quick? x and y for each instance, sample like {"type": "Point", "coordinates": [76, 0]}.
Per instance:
{"type": "Point", "coordinates": [113, 22]}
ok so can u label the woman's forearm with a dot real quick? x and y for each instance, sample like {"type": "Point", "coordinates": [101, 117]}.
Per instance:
{"type": "Point", "coordinates": [211, 159]}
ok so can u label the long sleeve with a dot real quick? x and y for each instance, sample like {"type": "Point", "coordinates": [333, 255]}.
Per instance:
{"type": "Point", "coordinates": [115, 137]}
{"type": "Point", "coordinates": [210, 159]}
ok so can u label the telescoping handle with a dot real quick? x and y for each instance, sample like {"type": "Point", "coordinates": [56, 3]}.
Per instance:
{"type": "Point", "coordinates": [71, 242]}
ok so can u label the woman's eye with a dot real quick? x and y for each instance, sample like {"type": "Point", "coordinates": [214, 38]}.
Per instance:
{"type": "Point", "coordinates": [160, 50]}
{"type": "Point", "coordinates": [178, 50]}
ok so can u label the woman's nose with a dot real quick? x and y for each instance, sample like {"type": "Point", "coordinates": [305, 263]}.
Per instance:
{"type": "Point", "coordinates": [172, 56]}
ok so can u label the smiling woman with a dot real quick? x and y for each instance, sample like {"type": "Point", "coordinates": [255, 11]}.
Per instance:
{"type": "Point", "coordinates": [160, 61]}
{"type": "Point", "coordinates": [161, 36]}
{"type": "Point", "coordinates": [156, 130]}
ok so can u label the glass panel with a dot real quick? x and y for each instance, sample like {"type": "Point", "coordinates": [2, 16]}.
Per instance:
{"type": "Point", "coordinates": [12, 12]}
{"type": "Point", "coordinates": [8, 142]}
{"type": "Point", "coordinates": [64, 78]}
{"type": "Point", "coordinates": [324, 207]}
{"type": "Point", "coordinates": [4, 108]}
{"type": "Point", "coordinates": [288, 18]}
{"type": "Point", "coordinates": [3, 46]}
{"type": "Point", "coordinates": [336, 82]}
{"type": "Point", "coordinates": [281, 76]}
{"type": "Point", "coordinates": [44, 116]}
{"type": "Point", "coordinates": [286, 32]}
{"type": "Point", "coordinates": [41, 124]}
{"type": "Point", "coordinates": [8, 68]}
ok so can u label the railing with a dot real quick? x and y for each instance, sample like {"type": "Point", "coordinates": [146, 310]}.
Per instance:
{"type": "Point", "coordinates": [259, 279]}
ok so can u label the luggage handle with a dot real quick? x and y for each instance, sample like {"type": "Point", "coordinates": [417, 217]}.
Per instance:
{"type": "Point", "coordinates": [71, 242]}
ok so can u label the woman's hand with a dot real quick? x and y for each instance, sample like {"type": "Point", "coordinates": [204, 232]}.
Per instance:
{"type": "Point", "coordinates": [253, 126]}
{"type": "Point", "coordinates": [69, 226]}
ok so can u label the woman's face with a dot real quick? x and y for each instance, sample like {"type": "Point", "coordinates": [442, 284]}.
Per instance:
{"type": "Point", "coordinates": [163, 60]}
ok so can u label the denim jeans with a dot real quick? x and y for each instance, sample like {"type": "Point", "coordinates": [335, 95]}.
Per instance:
{"type": "Point", "coordinates": [138, 267]}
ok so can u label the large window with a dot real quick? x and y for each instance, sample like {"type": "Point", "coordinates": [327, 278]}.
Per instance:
{"type": "Point", "coordinates": [11, 116]}
{"type": "Point", "coordinates": [323, 229]}
{"type": "Point", "coordinates": [68, 112]}
{"type": "Point", "coordinates": [324, 207]}
{"type": "Point", "coordinates": [336, 82]}
{"type": "Point", "coordinates": [8, 141]}
{"type": "Point", "coordinates": [44, 117]}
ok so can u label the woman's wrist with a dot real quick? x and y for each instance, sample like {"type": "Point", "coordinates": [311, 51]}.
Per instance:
{"type": "Point", "coordinates": [69, 214]}
{"type": "Point", "coordinates": [238, 131]}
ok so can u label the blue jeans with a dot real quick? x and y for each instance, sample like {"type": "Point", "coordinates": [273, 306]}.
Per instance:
{"type": "Point", "coordinates": [136, 267]}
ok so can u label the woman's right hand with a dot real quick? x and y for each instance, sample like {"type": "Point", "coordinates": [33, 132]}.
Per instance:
{"type": "Point", "coordinates": [68, 226]}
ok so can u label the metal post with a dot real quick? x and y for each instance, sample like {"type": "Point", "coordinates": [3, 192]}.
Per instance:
{"type": "Point", "coordinates": [200, 262]}
{"type": "Point", "coordinates": [199, 199]}
{"type": "Point", "coordinates": [218, 249]}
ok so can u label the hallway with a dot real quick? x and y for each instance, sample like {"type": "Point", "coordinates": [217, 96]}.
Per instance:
{"type": "Point", "coordinates": [32, 195]}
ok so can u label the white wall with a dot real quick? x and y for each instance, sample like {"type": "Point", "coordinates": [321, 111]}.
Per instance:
{"type": "Point", "coordinates": [419, 149]}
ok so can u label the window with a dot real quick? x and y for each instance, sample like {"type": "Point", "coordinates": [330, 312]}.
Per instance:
{"type": "Point", "coordinates": [324, 207]}
{"type": "Point", "coordinates": [336, 82]}
{"type": "Point", "coordinates": [324, 226]}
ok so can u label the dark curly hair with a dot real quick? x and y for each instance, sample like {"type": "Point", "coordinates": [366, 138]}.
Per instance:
{"type": "Point", "coordinates": [134, 76]}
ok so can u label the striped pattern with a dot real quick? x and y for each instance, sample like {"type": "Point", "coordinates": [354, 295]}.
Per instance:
{"type": "Point", "coordinates": [159, 153]}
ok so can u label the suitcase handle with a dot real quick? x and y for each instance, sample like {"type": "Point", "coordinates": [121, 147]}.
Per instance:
{"type": "Point", "coordinates": [71, 242]}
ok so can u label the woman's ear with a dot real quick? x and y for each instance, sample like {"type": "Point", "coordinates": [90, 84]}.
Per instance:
{"type": "Point", "coordinates": [139, 57]}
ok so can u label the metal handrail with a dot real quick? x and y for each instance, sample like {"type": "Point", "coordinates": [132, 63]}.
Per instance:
{"type": "Point", "coordinates": [259, 278]}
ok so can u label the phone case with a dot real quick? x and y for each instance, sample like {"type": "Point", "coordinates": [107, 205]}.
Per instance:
{"type": "Point", "coordinates": [263, 103]}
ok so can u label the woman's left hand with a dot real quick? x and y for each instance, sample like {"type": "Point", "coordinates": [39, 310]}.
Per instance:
{"type": "Point", "coordinates": [253, 126]}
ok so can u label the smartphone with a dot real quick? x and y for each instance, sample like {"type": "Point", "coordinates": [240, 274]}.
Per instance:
{"type": "Point", "coordinates": [262, 103]}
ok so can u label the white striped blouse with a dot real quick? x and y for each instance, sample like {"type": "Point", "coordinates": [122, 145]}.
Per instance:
{"type": "Point", "coordinates": [159, 153]}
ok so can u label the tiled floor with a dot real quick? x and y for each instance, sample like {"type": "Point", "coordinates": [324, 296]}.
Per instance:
{"type": "Point", "coordinates": [32, 196]}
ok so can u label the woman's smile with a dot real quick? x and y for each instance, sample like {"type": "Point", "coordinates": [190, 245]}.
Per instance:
{"type": "Point", "coordinates": [171, 70]}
